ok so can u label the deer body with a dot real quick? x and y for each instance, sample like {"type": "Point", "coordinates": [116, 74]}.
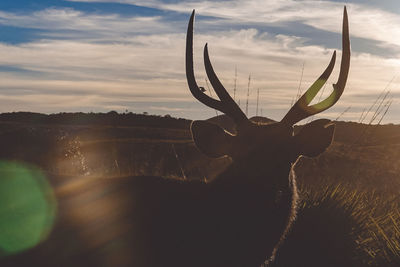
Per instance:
{"type": "Point", "coordinates": [234, 220]}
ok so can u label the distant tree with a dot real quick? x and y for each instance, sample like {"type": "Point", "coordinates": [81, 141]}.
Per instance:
{"type": "Point", "coordinates": [113, 112]}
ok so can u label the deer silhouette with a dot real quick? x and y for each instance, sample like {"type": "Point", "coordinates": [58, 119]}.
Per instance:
{"type": "Point", "coordinates": [240, 218]}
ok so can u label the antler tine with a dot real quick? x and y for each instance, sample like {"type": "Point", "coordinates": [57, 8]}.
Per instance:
{"type": "Point", "coordinates": [231, 108]}
{"type": "Point", "coordinates": [301, 110]}
{"type": "Point", "coordinates": [194, 89]}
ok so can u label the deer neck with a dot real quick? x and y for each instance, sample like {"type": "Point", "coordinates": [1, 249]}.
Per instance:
{"type": "Point", "coordinates": [257, 172]}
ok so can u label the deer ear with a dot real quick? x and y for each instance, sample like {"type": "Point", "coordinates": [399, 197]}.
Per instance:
{"type": "Point", "coordinates": [314, 138]}
{"type": "Point", "coordinates": [211, 139]}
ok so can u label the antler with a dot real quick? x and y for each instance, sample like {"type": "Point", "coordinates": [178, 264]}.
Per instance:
{"type": "Point", "coordinates": [226, 104]}
{"type": "Point", "coordinates": [301, 108]}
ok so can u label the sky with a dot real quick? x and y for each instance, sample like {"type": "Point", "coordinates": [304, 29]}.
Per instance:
{"type": "Point", "coordinates": [128, 55]}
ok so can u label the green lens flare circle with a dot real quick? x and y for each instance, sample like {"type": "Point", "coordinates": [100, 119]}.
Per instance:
{"type": "Point", "coordinates": [27, 207]}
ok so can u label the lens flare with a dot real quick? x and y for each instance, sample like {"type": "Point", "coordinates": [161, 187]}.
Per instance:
{"type": "Point", "coordinates": [27, 207]}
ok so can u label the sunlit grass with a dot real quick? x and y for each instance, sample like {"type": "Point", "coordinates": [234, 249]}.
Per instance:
{"type": "Point", "coordinates": [369, 218]}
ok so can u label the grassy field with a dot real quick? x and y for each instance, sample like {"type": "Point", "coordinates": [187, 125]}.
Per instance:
{"type": "Point", "coordinates": [349, 202]}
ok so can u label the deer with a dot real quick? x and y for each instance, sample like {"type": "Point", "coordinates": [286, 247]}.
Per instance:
{"type": "Point", "coordinates": [239, 218]}
{"type": "Point", "coordinates": [257, 194]}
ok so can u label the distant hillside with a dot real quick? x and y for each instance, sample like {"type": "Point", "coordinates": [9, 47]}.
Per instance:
{"type": "Point", "coordinates": [352, 132]}
{"type": "Point", "coordinates": [346, 132]}
{"type": "Point", "coordinates": [111, 118]}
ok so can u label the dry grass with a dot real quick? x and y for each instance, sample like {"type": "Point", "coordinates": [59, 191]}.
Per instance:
{"type": "Point", "coordinates": [341, 226]}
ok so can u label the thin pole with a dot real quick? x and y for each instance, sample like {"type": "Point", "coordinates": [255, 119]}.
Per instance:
{"type": "Point", "coordinates": [248, 94]}
{"type": "Point", "coordinates": [362, 114]}
{"type": "Point", "coordinates": [347, 109]}
{"type": "Point", "coordinates": [258, 97]}
{"type": "Point", "coordinates": [301, 79]}
{"type": "Point", "coordinates": [377, 99]}
{"type": "Point", "coordinates": [379, 107]}
{"type": "Point", "coordinates": [387, 105]}
{"type": "Point", "coordinates": [234, 86]}
{"type": "Point", "coordinates": [363, 133]}
{"type": "Point", "coordinates": [387, 108]}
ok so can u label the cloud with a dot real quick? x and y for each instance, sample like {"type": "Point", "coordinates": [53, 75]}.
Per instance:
{"type": "Point", "coordinates": [366, 21]}
{"type": "Point", "coordinates": [97, 62]}
{"type": "Point", "coordinates": [68, 23]}
{"type": "Point", "coordinates": [71, 75]}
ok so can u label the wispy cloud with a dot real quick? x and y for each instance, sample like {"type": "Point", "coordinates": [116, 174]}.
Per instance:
{"type": "Point", "coordinates": [67, 23]}
{"type": "Point", "coordinates": [100, 61]}
{"type": "Point", "coordinates": [366, 21]}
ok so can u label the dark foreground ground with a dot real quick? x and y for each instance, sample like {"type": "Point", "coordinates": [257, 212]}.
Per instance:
{"type": "Point", "coordinates": [349, 211]}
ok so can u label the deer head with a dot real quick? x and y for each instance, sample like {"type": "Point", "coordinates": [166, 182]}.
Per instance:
{"type": "Point", "coordinates": [313, 138]}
